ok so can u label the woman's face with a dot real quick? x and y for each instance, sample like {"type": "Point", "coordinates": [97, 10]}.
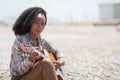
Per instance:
{"type": "Point", "coordinates": [38, 25]}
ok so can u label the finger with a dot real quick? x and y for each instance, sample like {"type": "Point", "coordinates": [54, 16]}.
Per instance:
{"type": "Point", "coordinates": [54, 62]}
{"type": "Point", "coordinates": [38, 57]}
{"type": "Point", "coordinates": [56, 66]}
{"type": "Point", "coordinates": [36, 54]}
{"type": "Point", "coordinates": [57, 62]}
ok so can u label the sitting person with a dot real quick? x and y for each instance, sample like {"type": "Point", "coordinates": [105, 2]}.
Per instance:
{"type": "Point", "coordinates": [28, 64]}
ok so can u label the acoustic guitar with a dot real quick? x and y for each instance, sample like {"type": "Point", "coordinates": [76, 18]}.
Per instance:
{"type": "Point", "coordinates": [44, 54]}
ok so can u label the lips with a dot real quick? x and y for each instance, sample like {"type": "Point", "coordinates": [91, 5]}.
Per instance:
{"type": "Point", "coordinates": [38, 30]}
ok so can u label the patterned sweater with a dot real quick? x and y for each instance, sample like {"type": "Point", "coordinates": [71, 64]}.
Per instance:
{"type": "Point", "coordinates": [20, 64]}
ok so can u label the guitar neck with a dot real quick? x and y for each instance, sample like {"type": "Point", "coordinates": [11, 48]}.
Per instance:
{"type": "Point", "coordinates": [40, 53]}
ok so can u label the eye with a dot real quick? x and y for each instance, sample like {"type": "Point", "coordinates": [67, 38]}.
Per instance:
{"type": "Point", "coordinates": [42, 23]}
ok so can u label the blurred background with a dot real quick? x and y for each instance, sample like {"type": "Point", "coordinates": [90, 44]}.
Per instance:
{"type": "Point", "coordinates": [64, 11]}
{"type": "Point", "coordinates": [87, 32]}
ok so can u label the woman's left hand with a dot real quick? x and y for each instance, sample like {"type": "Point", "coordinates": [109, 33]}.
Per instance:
{"type": "Point", "coordinates": [58, 63]}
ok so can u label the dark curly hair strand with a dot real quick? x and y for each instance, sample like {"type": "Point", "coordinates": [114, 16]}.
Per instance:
{"type": "Point", "coordinates": [24, 21]}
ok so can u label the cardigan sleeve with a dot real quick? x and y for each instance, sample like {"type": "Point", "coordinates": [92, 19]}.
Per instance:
{"type": "Point", "coordinates": [20, 64]}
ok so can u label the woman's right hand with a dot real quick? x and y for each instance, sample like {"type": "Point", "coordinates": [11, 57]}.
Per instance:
{"type": "Point", "coordinates": [33, 56]}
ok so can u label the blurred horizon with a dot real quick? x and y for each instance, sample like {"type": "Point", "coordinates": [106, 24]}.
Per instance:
{"type": "Point", "coordinates": [57, 10]}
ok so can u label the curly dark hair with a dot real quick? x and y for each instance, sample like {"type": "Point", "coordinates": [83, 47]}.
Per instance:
{"type": "Point", "coordinates": [24, 21]}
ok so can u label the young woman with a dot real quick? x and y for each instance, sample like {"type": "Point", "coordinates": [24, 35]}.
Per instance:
{"type": "Point", "coordinates": [26, 63]}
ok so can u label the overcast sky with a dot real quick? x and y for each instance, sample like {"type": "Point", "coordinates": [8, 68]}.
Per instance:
{"type": "Point", "coordinates": [63, 10]}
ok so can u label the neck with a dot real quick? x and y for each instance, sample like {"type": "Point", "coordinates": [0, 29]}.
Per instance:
{"type": "Point", "coordinates": [33, 37]}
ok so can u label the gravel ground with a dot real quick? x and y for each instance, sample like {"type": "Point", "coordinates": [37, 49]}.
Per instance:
{"type": "Point", "coordinates": [90, 53]}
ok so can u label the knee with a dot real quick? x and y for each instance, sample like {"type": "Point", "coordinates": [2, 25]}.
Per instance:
{"type": "Point", "coordinates": [47, 62]}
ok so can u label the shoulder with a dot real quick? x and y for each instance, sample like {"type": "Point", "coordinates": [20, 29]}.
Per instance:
{"type": "Point", "coordinates": [20, 38]}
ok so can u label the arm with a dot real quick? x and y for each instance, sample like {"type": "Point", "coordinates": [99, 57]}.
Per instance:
{"type": "Point", "coordinates": [19, 63]}
{"type": "Point", "coordinates": [56, 53]}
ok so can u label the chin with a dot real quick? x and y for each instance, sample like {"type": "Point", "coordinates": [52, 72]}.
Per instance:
{"type": "Point", "coordinates": [37, 34]}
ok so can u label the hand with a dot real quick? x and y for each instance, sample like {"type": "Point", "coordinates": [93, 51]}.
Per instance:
{"type": "Point", "coordinates": [34, 56]}
{"type": "Point", "coordinates": [58, 63]}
